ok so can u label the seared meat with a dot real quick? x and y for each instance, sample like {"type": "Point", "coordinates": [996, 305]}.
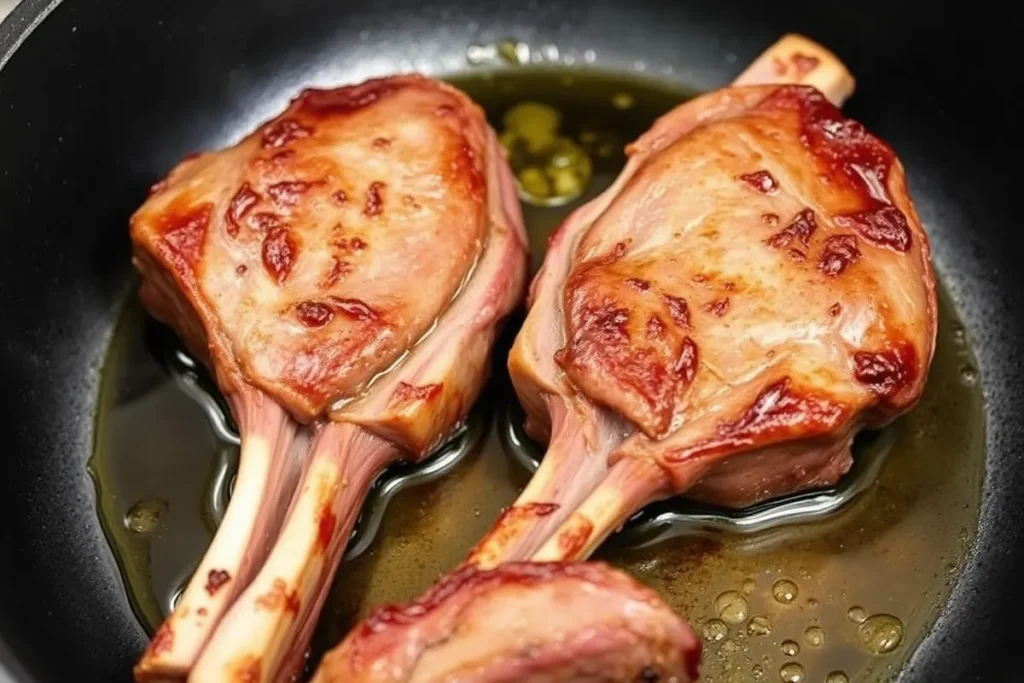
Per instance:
{"type": "Point", "coordinates": [351, 259]}
{"type": "Point", "coordinates": [753, 289]}
{"type": "Point", "coordinates": [521, 622]}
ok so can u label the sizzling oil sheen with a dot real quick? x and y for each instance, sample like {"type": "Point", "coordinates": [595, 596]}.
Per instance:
{"type": "Point", "coordinates": [895, 551]}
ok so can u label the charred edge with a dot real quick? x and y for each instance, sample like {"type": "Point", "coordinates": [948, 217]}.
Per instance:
{"type": "Point", "coordinates": [184, 232]}
{"type": "Point", "coordinates": [281, 132]}
{"type": "Point", "coordinates": [345, 100]}
{"type": "Point", "coordinates": [850, 155]}
{"type": "Point", "coordinates": [799, 231]}
{"type": "Point", "coordinates": [885, 226]}
{"type": "Point", "coordinates": [887, 372]}
{"type": "Point", "coordinates": [761, 181]}
{"type": "Point", "coordinates": [240, 205]}
{"type": "Point", "coordinates": [279, 251]}
{"type": "Point", "coordinates": [776, 410]}
{"type": "Point", "coordinates": [313, 313]}
{"type": "Point", "coordinates": [838, 254]}
{"type": "Point", "coordinates": [678, 310]}
{"type": "Point", "coordinates": [686, 365]}
{"type": "Point", "coordinates": [265, 222]}
{"type": "Point", "coordinates": [288, 192]}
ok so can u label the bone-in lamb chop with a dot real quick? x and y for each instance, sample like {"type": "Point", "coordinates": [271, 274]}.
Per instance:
{"type": "Point", "coordinates": [521, 621]}
{"type": "Point", "coordinates": [343, 270]}
{"type": "Point", "coordinates": [753, 289]}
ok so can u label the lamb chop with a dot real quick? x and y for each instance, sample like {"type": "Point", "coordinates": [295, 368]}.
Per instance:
{"type": "Point", "coordinates": [753, 289]}
{"type": "Point", "coordinates": [343, 270]}
{"type": "Point", "coordinates": [522, 621]}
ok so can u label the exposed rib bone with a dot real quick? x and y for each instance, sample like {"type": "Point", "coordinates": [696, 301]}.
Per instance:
{"type": "Point", "coordinates": [262, 626]}
{"type": "Point", "coordinates": [266, 632]}
{"type": "Point", "coordinates": [794, 58]}
{"type": "Point", "coordinates": [267, 473]}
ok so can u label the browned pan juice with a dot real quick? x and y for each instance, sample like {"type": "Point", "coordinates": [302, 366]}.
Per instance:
{"type": "Point", "coordinates": [844, 598]}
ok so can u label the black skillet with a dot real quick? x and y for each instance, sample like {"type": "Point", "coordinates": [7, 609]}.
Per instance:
{"type": "Point", "coordinates": [99, 99]}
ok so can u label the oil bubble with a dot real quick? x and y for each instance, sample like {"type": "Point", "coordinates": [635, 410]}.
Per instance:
{"type": "Point", "coordinates": [790, 648]}
{"type": "Point", "coordinates": [856, 614]}
{"type": "Point", "coordinates": [715, 630]}
{"type": "Point", "coordinates": [968, 375]}
{"type": "Point", "coordinates": [880, 633]}
{"type": "Point", "coordinates": [144, 517]}
{"type": "Point", "coordinates": [623, 100]}
{"type": "Point", "coordinates": [749, 586]}
{"type": "Point", "coordinates": [837, 677]}
{"type": "Point", "coordinates": [731, 607]}
{"type": "Point", "coordinates": [792, 672]}
{"type": "Point", "coordinates": [759, 626]}
{"type": "Point", "coordinates": [785, 591]}
{"type": "Point", "coordinates": [814, 636]}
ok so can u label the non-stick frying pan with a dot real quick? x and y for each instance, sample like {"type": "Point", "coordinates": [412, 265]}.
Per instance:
{"type": "Point", "coordinates": [99, 99]}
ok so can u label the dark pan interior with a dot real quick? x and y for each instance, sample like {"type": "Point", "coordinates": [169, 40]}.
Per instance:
{"type": "Point", "coordinates": [101, 97]}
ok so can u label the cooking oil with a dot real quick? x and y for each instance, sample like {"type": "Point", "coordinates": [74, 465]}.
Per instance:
{"type": "Point", "coordinates": [163, 462]}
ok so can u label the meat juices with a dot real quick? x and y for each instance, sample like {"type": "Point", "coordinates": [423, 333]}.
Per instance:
{"type": "Point", "coordinates": [774, 296]}
{"type": "Point", "coordinates": [346, 295]}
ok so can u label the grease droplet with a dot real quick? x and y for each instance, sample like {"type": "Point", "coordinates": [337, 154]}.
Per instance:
{"type": "Point", "coordinates": [731, 607]}
{"type": "Point", "coordinates": [812, 603]}
{"type": "Point", "coordinates": [749, 586]}
{"type": "Point", "coordinates": [837, 677]}
{"type": "Point", "coordinates": [792, 672]}
{"type": "Point", "coordinates": [715, 630]}
{"type": "Point", "coordinates": [856, 614]}
{"type": "Point", "coordinates": [959, 336]}
{"type": "Point", "coordinates": [144, 516]}
{"type": "Point", "coordinates": [881, 633]}
{"type": "Point", "coordinates": [814, 636]}
{"type": "Point", "coordinates": [790, 648]}
{"type": "Point", "coordinates": [968, 375]}
{"type": "Point", "coordinates": [758, 672]}
{"type": "Point", "coordinates": [785, 591]}
{"type": "Point", "coordinates": [759, 626]}
{"type": "Point", "coordinates": [623, 100]}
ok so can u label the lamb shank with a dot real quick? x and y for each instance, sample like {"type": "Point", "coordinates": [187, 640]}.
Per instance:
{"type": "Point", "coordinates": [753, 289]}
{"type": "Point", "coordinates": [343, 270]}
